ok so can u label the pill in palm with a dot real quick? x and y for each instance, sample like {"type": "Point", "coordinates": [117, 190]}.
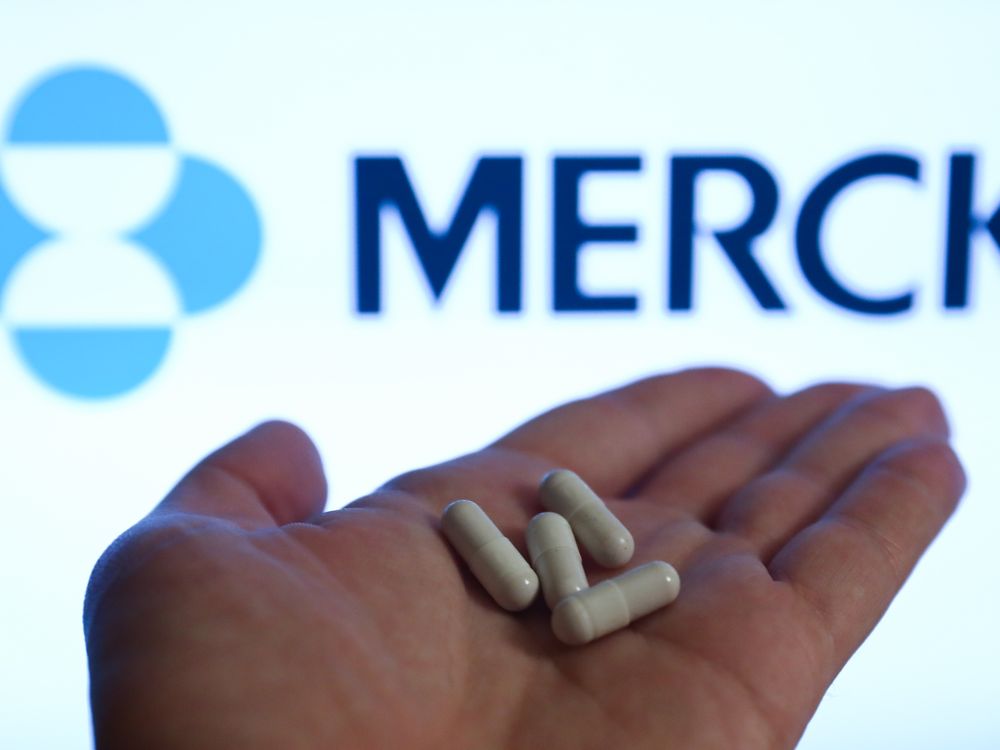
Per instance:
{"type": "Point", "coordinates": [492, 558]}
{"type": "Point", "coordinates": [615, 603]}
{"type": "Point", "coordinates": [555, 557]}
{"type": "Point", "coordinates": [594, 525]}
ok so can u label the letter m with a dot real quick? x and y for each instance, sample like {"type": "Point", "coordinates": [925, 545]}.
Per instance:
{"type": "Point", "coordinates": [382, 182]}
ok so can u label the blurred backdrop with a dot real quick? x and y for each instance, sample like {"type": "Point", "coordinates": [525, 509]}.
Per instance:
{"type": "Point", "coordinates": [407, 227]}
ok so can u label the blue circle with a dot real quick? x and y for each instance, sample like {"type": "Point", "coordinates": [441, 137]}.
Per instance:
{"type": "Point", "coordinates": [92, 362]}
{"type": "Point", "coordinates": [208, 236]}
{"type": "Point", "coordinates": [87, 105]}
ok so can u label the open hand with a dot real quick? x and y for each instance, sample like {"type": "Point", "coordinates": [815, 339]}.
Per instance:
{"type": "Point", "coordinates": [237, 614]}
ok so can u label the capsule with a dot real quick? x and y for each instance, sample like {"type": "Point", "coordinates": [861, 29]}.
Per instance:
{"type": "Point", "coordinates": [614, 603]}
{"type": "Point", "coordinates": [555, 557]}
{"type": "Point", "coordinates": [491, 557]}
{"type": "Point", "coordinates": [596, 527]}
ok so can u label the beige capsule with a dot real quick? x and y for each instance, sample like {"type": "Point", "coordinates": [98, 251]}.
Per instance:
{"type": "Point", "coordinates": [595, 526]}
{"type": "Point", "coordinates": [615, 603]}
{"type": "Point", "coordinates": [492, 558]}
{"type": "Point", "coordinates": [555, 557]}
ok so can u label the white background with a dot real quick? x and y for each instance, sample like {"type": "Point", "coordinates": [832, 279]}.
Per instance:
{"type": "Point", "coordinates": [283, 95]}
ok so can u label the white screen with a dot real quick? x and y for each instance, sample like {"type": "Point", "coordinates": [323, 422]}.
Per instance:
{"type": "Point", "coordinates": [285, 96]}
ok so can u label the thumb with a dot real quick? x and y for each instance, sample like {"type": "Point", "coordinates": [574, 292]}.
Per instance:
{"type": "Point", "coordinates": [272, 475]}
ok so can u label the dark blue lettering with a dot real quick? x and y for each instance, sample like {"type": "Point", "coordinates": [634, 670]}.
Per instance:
{"type": "Point", "coordinates": [495, 185]}
{"type": "Point", "coordinates": [961, 225]}
{"type": "Point", "coordinates": [737, 243]}
{"type": "Point", "coordinates": [807, 232]}
{"type": "Point", "coordinates": [570, 233]}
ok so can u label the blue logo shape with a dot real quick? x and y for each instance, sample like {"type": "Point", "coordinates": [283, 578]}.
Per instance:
{"type": "Point", "coordinates": [208, 236]}
{"type": "Point", "coordinates": [203, 235]}
{"type": "Point", "coordinates": [87, 105]}
{"type": "Point", "coordinates": [92, 362]}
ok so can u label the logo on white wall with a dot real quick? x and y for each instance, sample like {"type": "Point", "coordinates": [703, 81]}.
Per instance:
{"type": "Point", "coordinates": [109, 237]}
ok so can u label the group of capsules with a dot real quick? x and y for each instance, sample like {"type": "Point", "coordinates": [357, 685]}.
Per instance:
{"type": "Point", "coordinates": [580, 612]}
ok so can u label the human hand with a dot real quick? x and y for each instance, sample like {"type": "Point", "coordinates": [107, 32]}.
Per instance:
{"type": "Point", "coordinates": [237, 614]}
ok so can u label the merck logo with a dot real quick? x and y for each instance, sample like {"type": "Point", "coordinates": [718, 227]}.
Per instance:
{"type": "Point", "coordinates": [110, 238]}
{"type": "Point", "coordinates": [496, 186]}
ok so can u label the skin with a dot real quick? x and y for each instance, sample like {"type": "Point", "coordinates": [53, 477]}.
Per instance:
{"type": "Point", "coordinates": [238, 614]}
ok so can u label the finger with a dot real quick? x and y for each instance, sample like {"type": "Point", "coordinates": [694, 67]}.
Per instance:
{"type": "Point", "coordinates": [702, 476]}
{"type": "Point", "coordinates": [613, 439]}
{"type": "Point", "coordinates": [770, 509]}
{"type": "Point", "coordinates": [610, 439]}
{"type": "Point", "coordinates": [504, 483]}
{"type": "Point", "coordinates": [270, 475]}
{"type": "Point", "coordinates": [852, 561]}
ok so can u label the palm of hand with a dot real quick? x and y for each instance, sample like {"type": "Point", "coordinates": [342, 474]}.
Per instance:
{"type": "Point", "coordinates": [793, 521]}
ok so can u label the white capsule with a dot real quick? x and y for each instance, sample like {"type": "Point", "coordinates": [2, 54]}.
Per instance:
{"type": "Point", "coordinates": [613, 604]}
{"type": "Point", "coordinates": [555, 557]}
{"type": "Point", "coordinates": [494, 561]}
{"type": "Point", "coordinates": [596, 527]}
